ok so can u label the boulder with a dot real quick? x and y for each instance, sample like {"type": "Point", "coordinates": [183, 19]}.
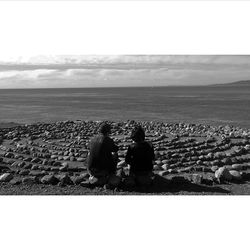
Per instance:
{"type": "Point", "coordinates": [223, 174]}
{"type": "Point", "coordinates": [6, 177]}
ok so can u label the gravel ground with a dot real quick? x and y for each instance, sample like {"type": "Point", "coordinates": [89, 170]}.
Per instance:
{"type": "Point", "coordinates": [174, 189]}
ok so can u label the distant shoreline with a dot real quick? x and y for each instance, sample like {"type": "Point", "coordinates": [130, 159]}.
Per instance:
{"type": "Point", "coordinates": [237, 83]}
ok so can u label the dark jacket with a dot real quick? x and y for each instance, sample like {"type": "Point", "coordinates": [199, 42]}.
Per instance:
{"type": "Point", "coordinates": [140, 156]}
{"type": "Point", "coordinates": [100, 154]}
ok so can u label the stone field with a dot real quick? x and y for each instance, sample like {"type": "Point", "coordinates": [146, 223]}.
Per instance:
{"type": "Point", "coordinates": [190, 156]}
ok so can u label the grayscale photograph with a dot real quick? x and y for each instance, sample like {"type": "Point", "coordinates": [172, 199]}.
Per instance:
{"type": "Point", "coordinates": [125, 125]}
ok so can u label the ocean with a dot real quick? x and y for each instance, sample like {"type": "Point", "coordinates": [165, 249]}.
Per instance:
{"type": "Point", "coordinates": [215, 105]}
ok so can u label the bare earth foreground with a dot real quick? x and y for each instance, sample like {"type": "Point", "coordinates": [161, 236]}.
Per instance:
{"type": "Point", "coordinates": [191, 159]}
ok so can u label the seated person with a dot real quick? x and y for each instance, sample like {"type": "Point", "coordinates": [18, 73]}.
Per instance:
{"type": "Point", "coordinates": [102, 158]}
{"type": "Point", "coordinates": [140, 156]}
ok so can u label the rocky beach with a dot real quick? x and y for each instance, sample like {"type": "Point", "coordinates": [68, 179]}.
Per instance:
{"type": "Point", "coordinates": [50, 158]}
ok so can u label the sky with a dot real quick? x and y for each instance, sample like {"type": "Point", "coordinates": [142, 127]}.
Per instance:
{"type": "Point", "coordinates": [59, 71]}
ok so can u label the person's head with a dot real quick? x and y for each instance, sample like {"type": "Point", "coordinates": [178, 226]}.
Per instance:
{"type": "Point", "coordinates": [138, 134]}
{"type": "Point", "coordinates": [105, 129]}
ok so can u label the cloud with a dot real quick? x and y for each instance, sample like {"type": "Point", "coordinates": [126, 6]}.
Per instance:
{"type": "Point", "coordinates": [140, 70]}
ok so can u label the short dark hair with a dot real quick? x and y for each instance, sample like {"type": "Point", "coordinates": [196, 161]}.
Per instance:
{"type": "Point", "coordinates": [105, 128]}
{"type": "Point", "coordinates": [138, 134]}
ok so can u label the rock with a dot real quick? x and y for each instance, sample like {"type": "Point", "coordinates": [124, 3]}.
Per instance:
{"type": "Point", "coordinates": [236, 175]}
{"type": "Point", "coordinates": [24, 172]}
{"type": "Point", "coordinates": [196, 178]}
{"type": "Point", "coordinates": [6, 177]}
{"type": "Point", "coordinates": [27, 159]}
{"type": "Point", "coordinates": [28, 166]}
{"type": "Point", "coordinates": [237, 166]}
{"type": "Point", "coordinates": [72, 158]}
{"type": "Point", "coordinates": [53, 157]}
{"type": "Point", "coordinates": [165, 166]}
{"type": "Point", "coordinates": [35, 160]}
{"type": "Point", "coordinates": [64, 179]}
{"type": "Point", "coordinates": [15, 181]}
{"type": "Point", "coordinates": [49, 179]}
{"type": "Point", "coordinates": [214, 168]}
{"type": "Point", "coordinates": [85, 183]}
{"type": "Point", "coordinates": [21, 164]}
{"type": "Point", "coordinates": [29, 180]}
{"type": "Point", "coordinates": [4, 168]}
{"type": "Point", "coordinates": [35, 167]}
{"type": "Point", "coordinates": [157, 168]}
{"type": "Point", "coordinates": [56, 164]}
{"type": "Point", "coordinates": [80, 159]}
{"type": "Point", "coordinates": [163, 173]}
{"type": "Point", "coordinates": [65, 164]}
{"type": "Point", "coordinates": [223, 174]}
{"type": "Point", "coordinates": [9, 155]}
{"type": "Point", "coordinates": [37, 173]}
{"type": "Point", "coordinates": [45, 162]}
{"type": "Point", "coordinates": [121, 164]}
{"type": "Point", "coordinates": [78, 179]}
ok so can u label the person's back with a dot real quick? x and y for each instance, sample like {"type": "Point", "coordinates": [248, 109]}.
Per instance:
{"type": "Point", "coordinates": [140, 156]}
{"type": "Point", "coordinates": [100, 154]}
{"type": "Point", "coordinates": [101, 162]}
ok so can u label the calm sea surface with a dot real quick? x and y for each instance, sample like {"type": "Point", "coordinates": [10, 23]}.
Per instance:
{"type": "Point", "coordinates": [209, 105]}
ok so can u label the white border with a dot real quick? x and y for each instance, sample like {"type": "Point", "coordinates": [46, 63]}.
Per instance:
{"type": "Point", "coordinates": [130, 222]}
